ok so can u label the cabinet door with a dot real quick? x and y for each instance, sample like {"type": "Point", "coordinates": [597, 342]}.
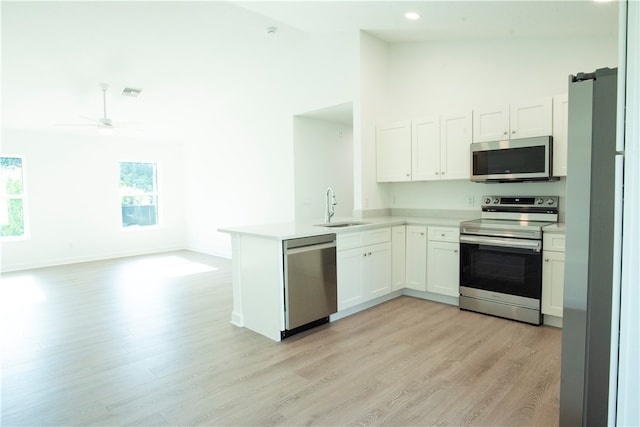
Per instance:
{"type": "Point", "coordinates": [398, 243]}
{"type": "Point", "coordinates": [376, 273]}
{"type": "Point", "coordinates": [491, 123]}
{"type": "Point", "coordinates": [552, 283]}
{"type": "Point", "coordinates": [425, 149]}
{"type": "Point", "coordinates": [455, 141]}
{"type": "Point", "coordinates": [416, 257]}
{"type": "Point", "coordinates": [531, 118]}
{"type": "Point", "coordinates": [560, 126]}
{"type": "Point", "coordinates": [350, 283]}
{"type": "Point", "coordinates": [443, 268]}
{"type": "Point", "coordinates": [393, 152]}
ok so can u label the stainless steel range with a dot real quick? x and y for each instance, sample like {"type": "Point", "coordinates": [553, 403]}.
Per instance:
{"type": "Point", "coordinates": [501, 256]}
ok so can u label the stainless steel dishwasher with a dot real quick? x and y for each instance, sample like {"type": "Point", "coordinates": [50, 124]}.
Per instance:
{"type": "Point", "coordinates": [310, 282]}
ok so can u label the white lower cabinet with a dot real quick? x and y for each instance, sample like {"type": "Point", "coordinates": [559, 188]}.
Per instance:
{"type": "Point", "coordinates": [416, 258]}
{"type": "Point", "coordinates": [376, 270]}
{"type": "Point", "coordinates": [350, 283]}
{"type": "Point", "coordinates": [398, 257]}
{"type": "Point", "coordinates": [552, 274]}
{"type": "Point", "coordinates": [364, 272]}
{"type": "Point", "coordinates": [443, 261]}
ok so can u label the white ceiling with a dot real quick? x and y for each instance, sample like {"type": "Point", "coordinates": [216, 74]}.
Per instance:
{"type": "Point", "coordinates": [54, 54]}
{"type": "Point", "coordinates": [442, 19]}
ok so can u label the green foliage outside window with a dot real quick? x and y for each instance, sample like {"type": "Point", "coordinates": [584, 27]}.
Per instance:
{"type": "Point", "coordinates": [138, 191]}
{"type": "Point", "coordinates": [11, 197]}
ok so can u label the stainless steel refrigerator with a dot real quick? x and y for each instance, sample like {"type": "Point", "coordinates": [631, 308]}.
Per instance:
{"type": "Point", "coordinates": [590, 248]}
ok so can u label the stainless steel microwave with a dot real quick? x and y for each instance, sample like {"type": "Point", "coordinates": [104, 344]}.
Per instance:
{"type": "Point", "coordinates": [526, 159]}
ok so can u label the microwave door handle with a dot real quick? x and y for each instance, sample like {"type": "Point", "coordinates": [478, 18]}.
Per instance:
{"type": "Point", "coordinates": [533, 245]}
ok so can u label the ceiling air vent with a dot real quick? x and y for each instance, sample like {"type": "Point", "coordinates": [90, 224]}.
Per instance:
{"type": "Point", "coordinates": [130, 91]}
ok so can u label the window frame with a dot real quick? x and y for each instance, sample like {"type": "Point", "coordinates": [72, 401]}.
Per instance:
{"type": "Point", "coordinates": [156, 194]}
{"type": "Point", "coordinates": [25, 208]}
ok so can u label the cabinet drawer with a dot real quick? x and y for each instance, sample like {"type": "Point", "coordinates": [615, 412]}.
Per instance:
{"type": "Point", "coordinates": [553, 242]}
{"type": "Point", "coordinates": [363, 238]}
{"type": "Point", "coordinates": [444, 234]}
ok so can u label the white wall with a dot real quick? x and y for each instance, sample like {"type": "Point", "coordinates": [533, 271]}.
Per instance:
{"type": "Point", "coordinates": [323, 157]}
{"type": "Point", "coordinates": [455, 194]}
{"type": "Point", "coordinates": [435, 77]}
{"type": "Point", "coordinates": [240, 171]}
{"type": "Point", "coordinates": [371, 107]}
{"type": "Point", "coordinates": [73, 203]}
{"type": "Point", "coordinates": [629, 354]}
{"type": "Point", "coordinates": [428, 78]}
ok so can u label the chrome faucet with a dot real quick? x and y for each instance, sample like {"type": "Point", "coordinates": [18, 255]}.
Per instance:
{"type": "Point", "coordinates": [330, 210]}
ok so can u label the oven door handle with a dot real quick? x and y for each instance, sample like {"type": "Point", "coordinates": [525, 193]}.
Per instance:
{"type": "Point", "coordinates": [533, 245]}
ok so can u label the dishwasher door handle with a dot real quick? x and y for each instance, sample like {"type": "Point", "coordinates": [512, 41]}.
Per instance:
{"type": "Point", "coordinates": [302, 249]}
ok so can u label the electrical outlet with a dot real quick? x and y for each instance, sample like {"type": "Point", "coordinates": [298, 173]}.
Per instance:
{"type": "Point", "coordinates": [471, 201]}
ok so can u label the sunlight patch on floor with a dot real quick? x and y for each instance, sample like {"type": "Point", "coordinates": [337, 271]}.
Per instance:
{"type": "Point", "coordinates": [175, 266]}
{"type": "Point", "coordinates": [20, 291]}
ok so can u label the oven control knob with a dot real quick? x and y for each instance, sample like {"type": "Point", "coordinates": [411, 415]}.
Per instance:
{"type": "Point", "coordinates": [496, 201]}
{"type": "Point", "coordinates": [487, 200]}
{"type": "Point", "coordinates": [550, 202]}
{"type": "Point", "coordinates": [539, 201]}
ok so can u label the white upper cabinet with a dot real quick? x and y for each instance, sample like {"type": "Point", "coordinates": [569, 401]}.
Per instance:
{"type": "Point", "coordinates": [393, 152]}
{"type": "Point", "coordinates": [560, 140]}
{"type": "Point", "coordinates": [432, 148]}
{"type": "Point", "coordinates": [454, 146]}
{"type": "Point", "coordinates": [519, 120]}
{"type": "Point", "coordinates": [531, 118]}
{"type": "Point", "coordinates": [491, 123]}
{"type": "Point", "coordinates": [425, 149]}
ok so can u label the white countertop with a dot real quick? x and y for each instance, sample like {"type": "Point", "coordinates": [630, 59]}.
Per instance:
{"type": "Point", "coordinates": [292, 230]}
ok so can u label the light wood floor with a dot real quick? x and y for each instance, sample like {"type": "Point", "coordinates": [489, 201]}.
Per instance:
{"type": "Point", "coordinates": [122, 342]}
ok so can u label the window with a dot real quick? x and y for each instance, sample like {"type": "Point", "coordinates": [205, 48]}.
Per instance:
{"type": "Point", "coordinates": [11, 197]}
{"type": "Point", "coordinates": [138, 194]}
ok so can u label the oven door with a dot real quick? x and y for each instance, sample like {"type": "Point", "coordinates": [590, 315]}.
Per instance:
{"type": "Point", "coordinates": [502, 267]}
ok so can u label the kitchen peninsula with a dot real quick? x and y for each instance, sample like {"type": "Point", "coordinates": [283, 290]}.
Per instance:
{"type": "Point", "coordinates": [378, 258]}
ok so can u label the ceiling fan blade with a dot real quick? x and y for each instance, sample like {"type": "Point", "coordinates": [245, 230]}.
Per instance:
{"type": "Point", "coordinates": [75, 124]}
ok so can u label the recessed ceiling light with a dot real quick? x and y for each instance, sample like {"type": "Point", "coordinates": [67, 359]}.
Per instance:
{"type": "Point", "coordinates": [412, 16]}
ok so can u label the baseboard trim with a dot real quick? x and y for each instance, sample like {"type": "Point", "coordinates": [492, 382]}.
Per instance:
{"type": "Point", "coordinates": [88, 258]}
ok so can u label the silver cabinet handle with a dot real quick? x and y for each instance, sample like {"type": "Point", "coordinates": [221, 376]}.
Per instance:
{"type": "Point", "coordinates": [546, 260]}
{"type": "Point", "coordinates": [505, 132]}
{"type": "Point", "coordinates": [455, 251]}
{"type": "Point", "coordinates": [513, 131]}
{"type": "Point", "coordinates": [533, 245]}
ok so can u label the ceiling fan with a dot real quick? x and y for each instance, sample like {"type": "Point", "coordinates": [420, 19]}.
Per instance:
{"type": "Point", "coordinates": [104, 124]}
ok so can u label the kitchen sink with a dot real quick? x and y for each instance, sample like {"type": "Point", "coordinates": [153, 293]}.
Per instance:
{"type": "Point", "coordinates": [341, 224]}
